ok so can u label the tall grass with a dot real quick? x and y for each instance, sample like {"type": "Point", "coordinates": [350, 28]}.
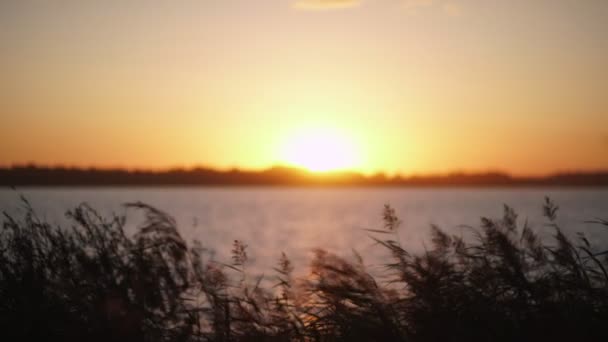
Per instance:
{"type": "Point", "coordinates": [91, 281]}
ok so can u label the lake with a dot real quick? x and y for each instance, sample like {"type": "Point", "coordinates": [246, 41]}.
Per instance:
{"type": "Point", "coordinates": [297, 220]}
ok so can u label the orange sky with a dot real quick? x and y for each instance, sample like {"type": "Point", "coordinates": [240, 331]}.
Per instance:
{"type": "Point", "coordinates": [414, 86]}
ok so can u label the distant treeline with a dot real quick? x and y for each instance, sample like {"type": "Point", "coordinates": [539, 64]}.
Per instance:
{"type": "Point", "coordinates": [63, 176]}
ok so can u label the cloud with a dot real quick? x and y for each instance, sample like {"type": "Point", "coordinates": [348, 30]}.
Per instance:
{"type": "Point", "coordinates": [325, 4]}
{"type": "Point", "coordinates": [450, 8]}
{"type": "Point", "coordinates": [414, 5]}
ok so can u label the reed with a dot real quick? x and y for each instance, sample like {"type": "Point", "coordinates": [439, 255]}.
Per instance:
{"type": "Point", "coordinates": [90, 280]}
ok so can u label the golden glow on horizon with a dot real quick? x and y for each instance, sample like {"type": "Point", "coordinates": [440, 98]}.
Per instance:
{"type": "Point", "coordinates": [321, 150]}
{"type": "Point", "coordinates": [428, 87]}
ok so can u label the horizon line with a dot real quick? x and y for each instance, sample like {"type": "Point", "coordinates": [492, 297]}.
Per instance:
{"type": "Point", "coordinates": [386, 174]}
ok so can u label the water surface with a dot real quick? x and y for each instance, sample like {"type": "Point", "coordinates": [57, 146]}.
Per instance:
{"type": "Point", "coordinates": [296, 220]}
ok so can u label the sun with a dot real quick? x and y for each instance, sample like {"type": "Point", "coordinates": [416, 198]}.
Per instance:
{"type": "Point", "coordinates": [320, 150]}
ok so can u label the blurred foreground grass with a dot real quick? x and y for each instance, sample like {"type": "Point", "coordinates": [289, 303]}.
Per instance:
{"type": "Point", "coordinates": [91, 281]}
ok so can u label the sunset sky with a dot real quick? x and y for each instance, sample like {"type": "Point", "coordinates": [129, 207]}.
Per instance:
{"type": "Point", "coordinates": [408, 86]}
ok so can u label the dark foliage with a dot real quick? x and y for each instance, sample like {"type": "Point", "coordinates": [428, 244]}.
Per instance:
{"type": "Point", "coordinates": [92, 281]}
{"type": "Point", "coordinates": [32, 175]}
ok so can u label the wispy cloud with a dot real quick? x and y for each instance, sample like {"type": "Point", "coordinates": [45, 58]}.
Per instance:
{"type": "Point", "coordinates": [414, 5]}
{"type": "Point", "coordinates": [325, 4]}
{"type": "Point", "coordinates": [450, 8]}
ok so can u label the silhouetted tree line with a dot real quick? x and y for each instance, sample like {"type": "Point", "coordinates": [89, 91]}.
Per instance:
{"type": "Point", "coordinates": [91, 281]}
{"type": "Point", "coordinates": [59, 176]}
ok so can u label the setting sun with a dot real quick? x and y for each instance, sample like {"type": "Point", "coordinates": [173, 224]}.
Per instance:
{"type": "Point", "coordinates": [320, 150]}
{"type": "Point", "coordinates": [237, 170]}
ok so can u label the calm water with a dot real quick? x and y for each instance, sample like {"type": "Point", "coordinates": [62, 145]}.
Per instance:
{"type": "Point", "coordinates": [295, 220]}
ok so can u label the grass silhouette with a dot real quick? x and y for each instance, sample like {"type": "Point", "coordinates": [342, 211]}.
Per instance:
{"type": "Point", "coordinates": [91, 281]}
